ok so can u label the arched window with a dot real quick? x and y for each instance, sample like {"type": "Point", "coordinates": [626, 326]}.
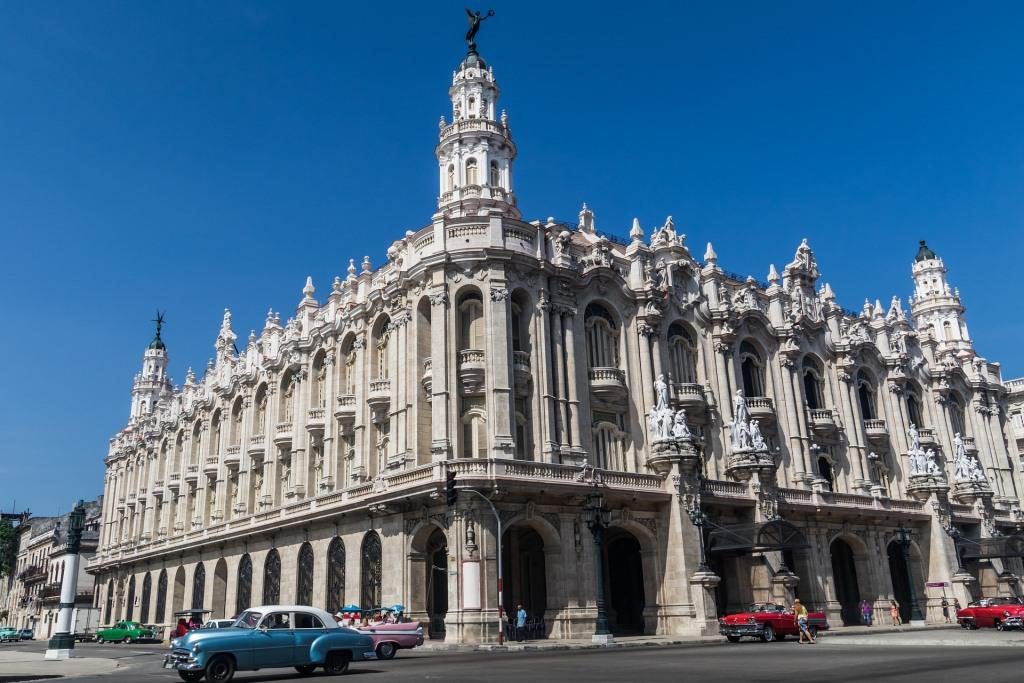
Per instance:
{"type": "Point", "coordinates": [161, 597]}
{"type": "Point", "coordinates": [236, 422]}
{"type": "Point", "coordinates": [825, 470]}
{"type": "Point", "coordinates": [474, 429]}
{"type": "Point", "coordinates": [471, 178]}
{"type": "Point", "coordinates": [215, 431]}
{"type": "Point", "coordinates": [179, 452]}
{"type": "Point", "coordinates": [130, 600]}
{"type": "Point", "coordinates": [348, 368]}
{"type": "Point", "coordinates": [947, 330]}
{"type": "Point", "coordinates": [609, 447]}
{"type": "Point", "coordinates": [319, 381]}
{"type": "Point", "coordinates": [197, 442]}
{"type": "Point", "coordinates": [199, 586]}
{"type": "Point", "coordinates": [381, 339]}
{"type": "Point", "coordinates": [683, 350]}
{"type": "Point", "coordinates": [261, 410]}
{"type": "Point", "coordinates": [602, 337]}
{"type": "Point", "coordinates": [450, 185]}
{"type": "Point", "coordinates": [812, 384]}
{"type": "Point", "coordinates": [335, 576]}
{"type": "Point", "coordinates": [243, 594]}
{"type": "Point", "coordinates": [147, 587]}
{"type": "Point", "coordinates": [287, 404]}
{"type": "Point", "coordinates": [752, 370]}
{"type": "Point", "coordinates": [472, 107]}
{"type": "Point", "coordinates": [110, 603]}
{"type": "Point", "coordinates": [471, 322]}
{"type": "Point", "coordinates": [272, 578]}
{"type": "Point", "coordinates": [304, 577]}
{"type": "Point", "coordinates": [495, 178]}
{"type": "Point", "coordinates": [957, 416]}
{"type": "Point", "coordinates": [914, 408]}
{"type": "Point", "coordinates": [371, 570]}
{"type": "Point", "coordinates": [866, 396]}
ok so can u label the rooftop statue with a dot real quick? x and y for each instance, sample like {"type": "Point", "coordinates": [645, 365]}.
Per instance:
{"type": "Point", "coordinates": [475, 19]}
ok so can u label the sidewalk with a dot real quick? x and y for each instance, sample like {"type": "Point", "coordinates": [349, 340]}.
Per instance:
{"type": "Point", "coordinates": [32, 665]}
{"type": "Point", "coordinates": [656, 641]}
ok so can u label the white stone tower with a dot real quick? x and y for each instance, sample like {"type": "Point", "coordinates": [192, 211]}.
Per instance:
{"type": "Point", "coordinates": [935, 307]}
{"type": "Point", "coordinates": [475, 152]}
{"type": "Point", "coordinates": [152, 382]}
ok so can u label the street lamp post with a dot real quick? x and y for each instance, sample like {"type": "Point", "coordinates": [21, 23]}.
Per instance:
{"type": "Point", "coordinates": [698, 519]}
{"type": "Point", "coordinates": [597, 516]}
{"type": "Point", "coordinates": [954, 533]}
{"type": "Point", "coordinates": [904, 537]}
{"type": "Point", "coordinates": [63, 641]}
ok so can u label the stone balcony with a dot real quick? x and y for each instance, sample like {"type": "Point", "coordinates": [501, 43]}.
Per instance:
{"type": "Point", "coordinates": [192, 473]}
{"type": "Point", "coordinates": [379, 395]}
{"type": "Point", "coordinates": [211, 464]}
{"type": "Point", "coordinates": [174, 481]}
{"type": "Point", "coordinates": [472, 369]}
{"type": "Point", "coordinates": [131, 498]}
{"type": "Point", "coordinates": [345, 408]}
{"type": "Point", "coordinates": [158, 487]}
{"type": "Point", "coordinates": [762, 409]}
{"type": "Point", "coordinates": [428, 377]}
{"type": "Point", "coordinates": [233, 456]}
{"type": "Point", "coordinates": [283, 433]}
{"type": "Point", "coordinates": [690, 397]}
{"type": "Point", "coordinates": [970, 445]}
{"type": "Point", "coordinates": [876, 430]}
{"type": "Point", "coordinates": [927, 436]}
{"type": "Point", "coordinates": [257, 444]}
{"type": "Point", "coordinates": [521, 370]}
{"type": "Point", "coordinates": [315, 419]}
{"type": "Point", "coordinates": [608, 383]}
{"type": "Point", "coordinates": [822, 420]}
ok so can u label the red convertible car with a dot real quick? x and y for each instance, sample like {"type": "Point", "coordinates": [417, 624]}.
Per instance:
{"type": "Point", "coordinates": [1002, 613]}
{"type": "Point", "coordinates": [768, 622]}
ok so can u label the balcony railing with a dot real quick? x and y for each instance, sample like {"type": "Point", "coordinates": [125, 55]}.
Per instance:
{"type": "Point", "coordinates": [346, 406]}
{"type": "Point", "coordinates": [232, 455]}
{"type": "Point", "coordinates": [283, 432]}
{"type": "Point", "coordinates": [822, 419]}
{"type": "Point", "coordinates": [470, 356]}
{"type": "Point", "coordinates": [521, 359]}
{"type": "Point", "coordinates": [608, 383]}
{"type": "Point", "coordinates": [761, 408]}
{"type": "Point", "coordinates": [257, 443]}
{"type": "Point", "coordinates": [315, 419]}
{"type": "Point", "coordinates": [876, 430]}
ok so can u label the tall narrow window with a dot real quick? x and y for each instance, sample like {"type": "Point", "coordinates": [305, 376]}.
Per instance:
{"type": "Point", "coordinates": [602, 337]}
{"type": "Point", "coordinates": [683, 350]}
{"type": "Point", "coordinates": [272, 578]}
{"type": "Point", "coordinates": [866, 396]}
{"type": "Point", "coordinates": [161, 596]}
{"type": "Point", "coordinates": [304, 578]}
{"type": "Point", "coordinates": [752, 371]}
{"type": "Point", "coordinates": [130, 601]}
{"type": "Point", "coordinates": [147, 588]}
{"type": "Point", "coordinates": [450, 185]}
{"type": "Point", "coordinates": [243, 594]}
{"type": "Point", "coordinates": [335, 576]}
{"type": "Point", "coordinates": [371, 569]}
{"type": "Point", "coordinates": [812, 384]}
{"type": "Point", "coordinates": [471, 178]}
{"type": "Point", "coordinates": [914, 408]}
{"type": "Point", "coordinates": [495, 179]}
{"type": "Point", "coordinates": [199, 586]}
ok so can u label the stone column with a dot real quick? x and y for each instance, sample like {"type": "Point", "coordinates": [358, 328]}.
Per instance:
{"type": "Point", "coordinates": [561, 408]}
{"type": "Point", "coordinates": [543, 389]}
{"type": "Point", "coordinates": [499, 370]}
{"type": "Point", "coordinates": [442, 402]}
{"type": "Point", "coordinates": [575, 379]}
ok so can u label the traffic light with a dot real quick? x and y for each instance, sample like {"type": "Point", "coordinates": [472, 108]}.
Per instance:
{"type": "Point", "coordinates": [451, 495]}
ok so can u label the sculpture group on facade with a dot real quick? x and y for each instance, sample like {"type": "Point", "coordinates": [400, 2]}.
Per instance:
{"type": "Point", "coordinates": [744, 432]}
{"type": "Point", "coordinates": [667, 424]}
{"type": "Point", "coordinates": [966, 467]}
{"type": "Point", "coordinates": [923, 462]}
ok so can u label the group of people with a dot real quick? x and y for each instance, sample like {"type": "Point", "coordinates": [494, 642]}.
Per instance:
{"type": "Point", "coordinates": [184, 627]}
{"type": "Point", "coordinates": [518, 621]}
{"type": "Point", "coordinates": [356, 619]}
{"type": "Point", "coordinates": [867, 612]}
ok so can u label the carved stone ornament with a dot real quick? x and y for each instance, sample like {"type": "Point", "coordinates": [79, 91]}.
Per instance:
{"type": "Point", "coordinates": [439, 298]}
{"type": "Point", "coordinates": [498, 294]}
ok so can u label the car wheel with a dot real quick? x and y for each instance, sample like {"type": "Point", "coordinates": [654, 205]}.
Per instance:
{"type": "Point", "coordinates": [813, 630]}
{"type": "Point", "coordinates": [99, 641]}
{"type": "Point", "coordinates": [306, 669]}
{"type": "Point", "coordinates": [127, 639]}
{"type": "Point", "coordinates": [733, 639]}
{"type": "Point", "coordinates": [999, 625]}
{"type": "Point", "coordinates": [220, 669]}
{"type": "Point", "coordinates": [191, 676]}
{"type": "Point", "coordinates": [768, 635]}
{"type": "Point", "coordinates": [337, 662]}
{"type": "Point", "coordinates": [386, 651]}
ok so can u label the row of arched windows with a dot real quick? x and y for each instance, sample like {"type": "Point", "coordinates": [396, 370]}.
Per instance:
{"type": "Point", "coordinates": [471, 175]}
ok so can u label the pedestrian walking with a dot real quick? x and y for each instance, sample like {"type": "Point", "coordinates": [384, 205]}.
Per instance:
{"type": "Point", "coordinates": [894, 613]}
{"type": "Point", "coordinates": [865, 612]}
{"type": "Point", "coordinates": [800, 615]}
{"type": "Point", "coordinates": [520, 622]}
{"type": "Point", "coordinates": [945, 611]}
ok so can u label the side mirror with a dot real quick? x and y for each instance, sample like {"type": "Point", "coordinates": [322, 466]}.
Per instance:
{"type": "Point", "coordinates": [263, 628]}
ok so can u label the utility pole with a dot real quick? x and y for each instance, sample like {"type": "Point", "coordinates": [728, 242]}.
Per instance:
{"type": "Point", "coordinates": [63, 641]}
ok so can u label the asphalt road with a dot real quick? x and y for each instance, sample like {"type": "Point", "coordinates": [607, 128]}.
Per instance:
{"type": "Point", "coordinates": [829, 660]}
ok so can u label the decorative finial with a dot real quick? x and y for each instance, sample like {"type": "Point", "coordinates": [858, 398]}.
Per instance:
{"type": "Point", "coordinates": [710, 256]}
{"type": "Point", "coordinates": [504, 119]}
{"type": "Point", "coordinates": [366, 264]}
{"type": "Point", "coordinates": [309, 290]}
{"type": "Point", "coordinates": [773, 275]}
{"type": "Point", "coordinates": [442, 124]}
{"type": "Point", "coordinates": [351, 268]}
{"type": "Point", "coordinates": [336, 285]}
{"type": "Point", "coordinates": [475, 19]}
{"type": "Point", "coordinates": [636, 233]}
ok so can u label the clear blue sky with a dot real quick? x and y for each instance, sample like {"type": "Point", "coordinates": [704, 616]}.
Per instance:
{"type": "Point", "coordinates": [197, 155]}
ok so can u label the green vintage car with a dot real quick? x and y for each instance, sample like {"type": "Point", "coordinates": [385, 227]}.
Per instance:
{"type": "Point", "coordinates": [9, 633]}
{"type": "Point", "coordinates": [124, 632]}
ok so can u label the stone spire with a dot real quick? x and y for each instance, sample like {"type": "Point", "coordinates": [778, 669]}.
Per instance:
{"type": "Point", "coordinates": [475, 152]}
{"type": "Point", "coordinates": [935, 307]}
{"type": "Point", "coordinates": [152, 382]}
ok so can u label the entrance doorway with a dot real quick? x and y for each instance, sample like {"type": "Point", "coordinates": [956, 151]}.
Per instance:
{"type": "Point", "coordinates": [624, 589]}
{"type": "Point", "coordinates": [437, 583]}
{"type": "Point", "coordinates": [844, 575]}
{"type": "Point", "coordinates": [901, 582]}
{"type": "Point", "coordinates": [524, 572]}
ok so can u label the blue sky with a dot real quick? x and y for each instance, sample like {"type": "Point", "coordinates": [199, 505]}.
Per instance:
{"type": "Point", "coordinates": [194, 156]}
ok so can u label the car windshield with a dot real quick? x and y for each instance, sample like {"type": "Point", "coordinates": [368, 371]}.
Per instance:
{"type": "Point", "coordinates": [249, 619]}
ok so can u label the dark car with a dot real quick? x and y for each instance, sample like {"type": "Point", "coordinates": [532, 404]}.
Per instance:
{"type": "Point", "coordinates": [27, 634]}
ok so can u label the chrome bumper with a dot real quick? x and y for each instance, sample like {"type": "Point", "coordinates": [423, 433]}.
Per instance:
{"type": "Point", "coordinates": [182, 661]}
{"type": "Point", "coordinates": [741, 629]}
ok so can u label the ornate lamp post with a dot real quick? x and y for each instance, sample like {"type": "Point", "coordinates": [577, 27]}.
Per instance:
{"type": "Point", "coordinates": [698, 518]}
{"type": "Point", "coordinates": [904, 537]}
{"type": "Point", "coordinates": [954, 533]}
{"type": "Point", "coordinates": [63, 642]}
{"type": "Point", "coordinates": [596, 516]}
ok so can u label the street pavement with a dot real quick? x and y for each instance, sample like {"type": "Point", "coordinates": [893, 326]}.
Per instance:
{"type": "Point", "coordinates": [932, 656]}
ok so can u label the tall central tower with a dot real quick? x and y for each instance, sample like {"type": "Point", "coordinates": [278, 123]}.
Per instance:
{"type": "Point", "coordinates": [475, 152]}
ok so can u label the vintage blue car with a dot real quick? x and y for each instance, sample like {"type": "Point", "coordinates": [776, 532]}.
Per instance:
{"type": "Point", "coordinates": [269, 637]}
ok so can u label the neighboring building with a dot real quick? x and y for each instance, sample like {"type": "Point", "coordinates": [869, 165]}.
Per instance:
{"type": "Point", "coordinates": [526, 357]}
{"type": "Point", "coordinates": [34, 594]}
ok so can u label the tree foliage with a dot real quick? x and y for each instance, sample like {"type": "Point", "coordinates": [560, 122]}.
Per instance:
{"type": "Point", "coordinates": [8, 547]}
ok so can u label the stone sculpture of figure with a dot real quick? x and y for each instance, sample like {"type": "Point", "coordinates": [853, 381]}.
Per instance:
{"type": "Point", "coordinates": [286, 474]}
{"type": "Point", "coordinates": [958, 446]}
{"type": "Point", "coordinates": [318, 464]}
{"type": "Point", "coordinates": [655, 423]}
{"type": "Point", "coordinates": [963, 468]}
{"type": "Point", "coordinates": [258, 486]}
{"type": "Point", "coordinates": [742, 414]}
{"type": "Point", "coordinates": [261, 413]}
{"type": "Point", "coordinates": [661, 391]}
{"type": "Point", "coordinates": [234, 489]}
{"type": "Point", "coordinates": [915, 439]}
{"type": "Point", "coordinates": [475, 19]}
{"type": "Point", "coordinates": [741, 436]}
{"type": "Point", "coordinates": [756, 439]}
{"type": "Point", "coordinates": [932, 464]}
{"type": "Point", "coordinates": [916, 462]}
{"type": "Point", "coordinates": [680, 429]}
{"type": "Point", "coordinates": [974, 472]}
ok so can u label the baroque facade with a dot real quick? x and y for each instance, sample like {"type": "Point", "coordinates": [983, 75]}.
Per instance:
{"type": "Point", "coordinates": [541, 362]}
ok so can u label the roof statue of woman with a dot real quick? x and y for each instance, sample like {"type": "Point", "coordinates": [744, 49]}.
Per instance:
{"type": "Point", "coordinates": [740, 406]}
{"type": "Point", "coordinates": [475, 19]}
{"type": "Point", "coordinates": [661, 392]}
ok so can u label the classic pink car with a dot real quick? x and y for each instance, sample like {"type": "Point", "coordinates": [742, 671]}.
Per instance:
{"type": "Point", "coordinates": [390, 631]}
{"type": "Point", "coordinates": [768, 622]}
{"type": "Point", "coordinates": [1001, 613]}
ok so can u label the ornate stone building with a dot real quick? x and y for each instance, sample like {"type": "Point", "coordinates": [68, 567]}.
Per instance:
{"type": "Point", "coordinates": [541, 362]}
